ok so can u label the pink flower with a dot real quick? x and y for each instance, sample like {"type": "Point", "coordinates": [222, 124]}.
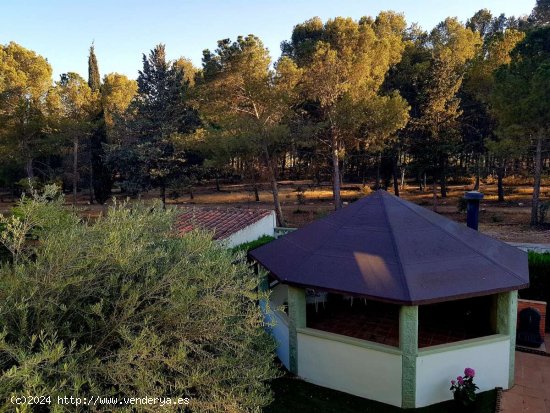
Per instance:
{"type": "Point", "coordinates": [453, 382]}
{"type": "Point", "coordinates": [468, 372]}
{"type": "Point", "coordinates": [460, 380]}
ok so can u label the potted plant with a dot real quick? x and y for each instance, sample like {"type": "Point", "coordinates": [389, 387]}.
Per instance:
{"type": "Point", "coordinates": [464, 388]}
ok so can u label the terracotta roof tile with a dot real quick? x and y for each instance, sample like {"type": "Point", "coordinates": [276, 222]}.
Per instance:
{"type": "Point", "coordinates": [223, 221]}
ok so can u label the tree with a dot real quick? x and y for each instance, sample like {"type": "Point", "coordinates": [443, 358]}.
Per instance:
{"type": "Point", "coordinates": [245, 99]}
{"type": "Point", "coordinates": [122, 307]}
{"type": "Point", "coordinates": [345, 63]}
{"type": "Point", "coordinates": [147, 156]}
{"type": "Point", "coordinates": [75, 106]}
{"type": "Point", "coordinates": [190, 72]}
{"type": "Point", "coordinates": [452, 46]}
{"type": "Point", "coordinates": [541, 13]}
{"type": "Point", "coordinates": [94, 80]}
{"type": "Point", "coordinates": [100, 175]}
{"type": "Point", "coordinates": [25, 78]}
{"type": "Point", "coordinates": [117, 92]}
{"type": "Point", "coordinates": [408, 77]}
{"type": "Point", "coordinates": [477, 88]}
{"type": "Point", "coordinates": [520, 101]}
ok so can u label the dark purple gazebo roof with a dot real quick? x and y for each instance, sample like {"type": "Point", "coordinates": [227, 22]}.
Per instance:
{"type": "Point", "coordinates": [388, 249]}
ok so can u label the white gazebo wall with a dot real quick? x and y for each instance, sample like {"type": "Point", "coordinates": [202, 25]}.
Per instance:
{"type": "Point", "coordinates": [265, 226]}
{"type": "Point", "coordinates": [436, 366]}
{"type": "Point", "coordinates": [278, 322]}
{"type": "Point", "coordinates": [350, 365]}
{"type": "Point", "coordinates": [279, 331]}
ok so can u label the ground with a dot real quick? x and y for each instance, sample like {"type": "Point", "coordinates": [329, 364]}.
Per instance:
{"type": "Point", "coordinates": [293, 395]}
{"type": "Point", "coordinates": [532, 381]}
{"type": "Point", "coordinates": [508, 221]}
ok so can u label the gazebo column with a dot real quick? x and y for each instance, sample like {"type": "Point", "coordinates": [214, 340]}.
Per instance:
{"type": "Point", "coordinates": [408, 344]}
{"type": "Point", "coordinates": [506, 316]}
{"type": "Point", "coordinates": [296, 320]}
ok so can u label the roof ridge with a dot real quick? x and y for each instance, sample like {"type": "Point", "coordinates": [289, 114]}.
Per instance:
{"type": "Point", "coordinates": [403, 277]}
{"type": "Point", "coordinates": [406, 204]}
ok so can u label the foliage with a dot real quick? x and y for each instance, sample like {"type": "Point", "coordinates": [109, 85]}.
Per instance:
{"type": "Point", "coordinates": [539, 279]}
{"type": "Point", "coordinates": [100, 178]}
{"type": "Point", "coordinates": [464, 388]}
{"type": "Point", "coordinates": [94, 80]}
{"type": "Point", "coordinates": [25, 78]}
{"type": "Point", "coordinates": [519, 100]}
{"type": "Point", "coordinates": [117, 93]}
{"type": "Point", "coordinates": [344, 64]}
{"type": "Point", "coordinates": [247, 102]}
{"type": "Point", "coordinates": [123, 307]}
{"type": "Point", "coordinates": [148, 156]}
{"type": "Point", "coordinates": [452, 46]}
{"type": "Point", "coordinates": [248, 246]}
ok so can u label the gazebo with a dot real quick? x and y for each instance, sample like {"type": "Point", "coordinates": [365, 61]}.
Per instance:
{"type": "Point", "coordinates": [387, 300]}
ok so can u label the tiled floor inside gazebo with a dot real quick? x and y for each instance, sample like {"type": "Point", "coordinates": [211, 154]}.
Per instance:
{"type": "Point", "coordinates": [379, 322]}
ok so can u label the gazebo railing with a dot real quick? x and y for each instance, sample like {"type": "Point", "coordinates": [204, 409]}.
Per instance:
{"type": "Point", "coordinates": [280, 231]}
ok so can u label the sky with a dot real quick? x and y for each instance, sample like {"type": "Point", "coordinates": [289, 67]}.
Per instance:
{"type": "Point", "coordinates": [122, 30]}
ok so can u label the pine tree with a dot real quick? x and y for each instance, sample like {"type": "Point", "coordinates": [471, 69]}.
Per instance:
{"type": "Point", "coordinates": [148, 158]}
{"type": "Point", "coordinates": [541, 13]}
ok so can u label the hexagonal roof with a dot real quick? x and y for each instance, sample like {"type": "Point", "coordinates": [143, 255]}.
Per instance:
{"type": "Point", "coordinates": [388, 249]}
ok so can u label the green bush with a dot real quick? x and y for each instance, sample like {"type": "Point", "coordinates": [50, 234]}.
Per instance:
{"type": "Point", "coordinates": [539, 279]}
{"type": "Point", "coordinates": [248, 246]}
{"type": "Point", "coordinates": [122, 307]}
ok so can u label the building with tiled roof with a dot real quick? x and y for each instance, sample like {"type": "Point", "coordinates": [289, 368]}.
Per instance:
{"type": "Point", "coordinates": [233, 226]}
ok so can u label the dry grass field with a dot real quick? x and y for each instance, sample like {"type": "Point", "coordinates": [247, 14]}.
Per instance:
{"type": "Point", "coordinates": [303, 202]}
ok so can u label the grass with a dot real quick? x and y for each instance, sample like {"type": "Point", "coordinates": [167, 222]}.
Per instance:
{"type": "Point", "coordinates": [297, 396]}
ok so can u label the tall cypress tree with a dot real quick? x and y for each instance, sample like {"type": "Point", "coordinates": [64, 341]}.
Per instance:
{"type": "Point", "coordinates": [100, 175]}
{"type": "Point", "coordinates": [93, 71]}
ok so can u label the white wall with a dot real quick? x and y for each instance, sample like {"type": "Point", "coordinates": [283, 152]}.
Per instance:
{"type": "Point", "coordinates": [349, 365]}
{"type": "Point", "coordinates": [438, 365]}
{"type": "Point", "coordinates": [279, 331]}
{"type": "Point", "coordinates": [265, 226]}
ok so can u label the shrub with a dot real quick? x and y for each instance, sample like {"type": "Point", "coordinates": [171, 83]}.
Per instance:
{"type": "Point", "coordinates": [122, 307]}
{"type": "Point", "coordinates": [464, 388]}
{"type": "Point", "coordinates": [539, 279]}
{"type": "Point", "coordinates": [248, 246]}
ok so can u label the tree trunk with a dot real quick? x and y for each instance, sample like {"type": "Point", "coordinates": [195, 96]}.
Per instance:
{"type": "Point", "coordinates": [535, 219]}
{"type": "Point", "coordinates": [335, 173]}
{"type": "Point", "coordinates": [500, 176]}
{"type": "Point", "coordinates": [254, 184]}
{"type": "Point", "coordinates": [91, 182]}
{"type": "Point", "coordinates": [75, 169]}
{"type": "Point", "coordinates": [395, 173]}
{"type": "Point", "coordinates": [434, 190]}
{"type": "Point", "coordinates": [274, 188]}
{"type": "Point", "coordinates": [29, 169]}
{"type": "Point", "coordinates": [443, 182]}
{"type": "Point", "coordinates": [218, 183]}
{"type": "Point", "coordinates": [425, 181]}
{"type": "Point", "coordinates": [378, 165]}
{"type": "Point", "coordinates": [478, 172]}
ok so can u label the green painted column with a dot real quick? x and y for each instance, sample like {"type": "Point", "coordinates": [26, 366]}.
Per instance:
{"type": "Point", "coordinates": [408, 343]}
{"type": "Point", "coordinates": [506, 316]}
{"type": "Point", "coordinates": [296, 319]}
